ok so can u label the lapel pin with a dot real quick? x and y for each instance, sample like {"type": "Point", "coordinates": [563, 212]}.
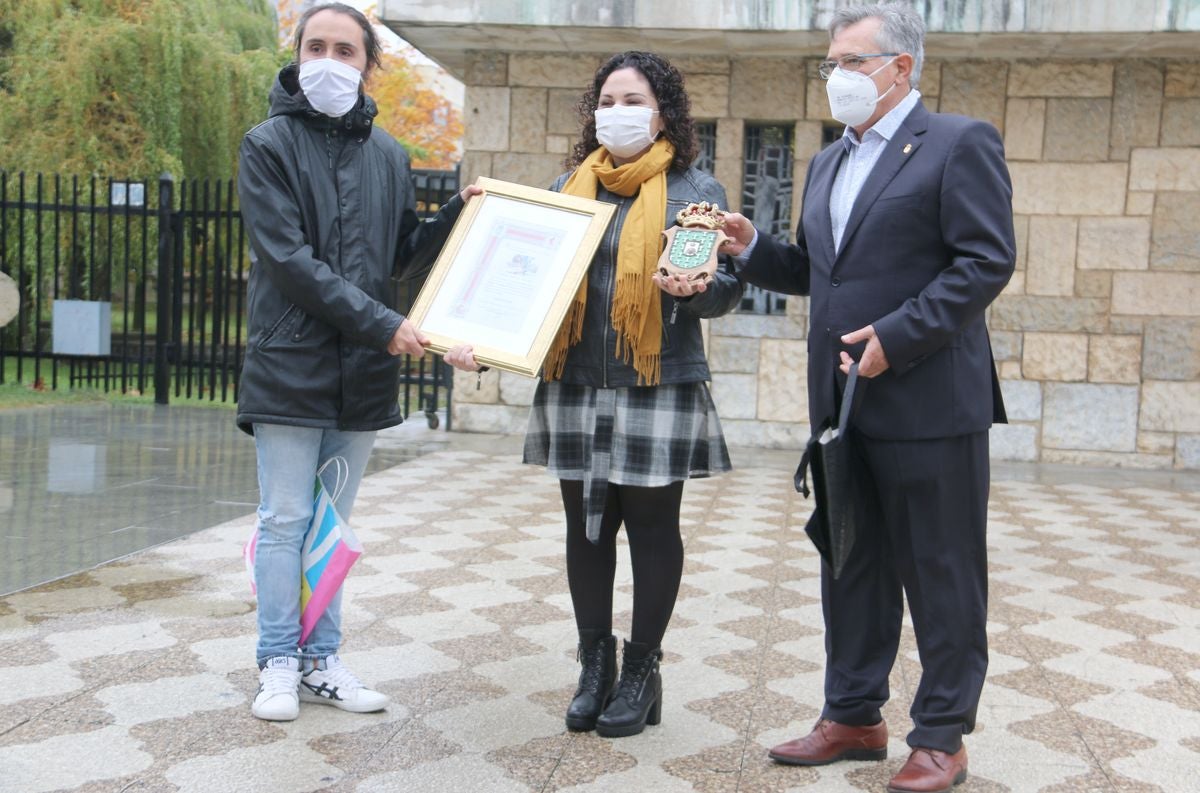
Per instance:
{"type": "Point", "coordinates": [907, 148]}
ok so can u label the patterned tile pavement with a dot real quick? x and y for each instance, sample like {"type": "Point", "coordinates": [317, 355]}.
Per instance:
{"type": "Point", "coordinates": [136, 676]}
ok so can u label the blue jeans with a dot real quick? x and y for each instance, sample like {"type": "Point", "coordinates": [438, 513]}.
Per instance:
{"type": "Point", "coordinates": [288, 459]}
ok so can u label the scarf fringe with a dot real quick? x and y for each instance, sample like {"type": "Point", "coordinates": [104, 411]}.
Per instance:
{"type": "Point", "coordinates": [652, 365]}
{"type": "Point", "coordinates": [569, 334]}
{"type": "Point", "coordinates": [638, 338]}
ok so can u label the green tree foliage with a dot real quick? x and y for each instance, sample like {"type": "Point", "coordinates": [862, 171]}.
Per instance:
{"type": "Point", "coordinates": [132, 88]}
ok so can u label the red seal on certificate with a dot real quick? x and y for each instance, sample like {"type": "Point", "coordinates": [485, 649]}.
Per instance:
{"type": "Point", "coordinates": [692, 246]}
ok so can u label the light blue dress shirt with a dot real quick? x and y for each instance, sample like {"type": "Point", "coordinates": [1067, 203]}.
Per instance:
{"type": "Point", "coordinates": [861, 156]}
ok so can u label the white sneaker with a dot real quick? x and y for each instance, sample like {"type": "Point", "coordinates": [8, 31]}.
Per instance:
{"type": "Point", "coordinates": [336, 685]}
{"type": "Point", "coordinates": [278, 683]}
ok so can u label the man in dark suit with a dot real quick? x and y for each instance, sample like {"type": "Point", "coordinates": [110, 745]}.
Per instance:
{"type": "Point", "coordinates": [906, 237]}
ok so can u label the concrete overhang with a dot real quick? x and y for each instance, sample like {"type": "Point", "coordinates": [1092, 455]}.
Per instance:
{"type": "Point", "coordinates": [1009, 29]}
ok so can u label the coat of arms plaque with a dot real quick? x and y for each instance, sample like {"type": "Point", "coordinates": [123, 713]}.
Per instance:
{"type": "Point", "coordinates": [693, 245]}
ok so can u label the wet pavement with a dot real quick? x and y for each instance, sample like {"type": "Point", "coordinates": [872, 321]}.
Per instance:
{"type": "Point", "coordinates": [136, 674]}
{"type": "Point", "coordinates": [85, 484]}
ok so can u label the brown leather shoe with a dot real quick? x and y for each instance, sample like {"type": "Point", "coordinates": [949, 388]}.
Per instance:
{"type": "Point", "coordinates": [930, 771]}
{"type": "Point", "coordinates": [829, 742]}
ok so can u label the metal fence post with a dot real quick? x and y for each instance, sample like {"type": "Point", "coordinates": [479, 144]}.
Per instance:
{"type": "Point", "coordinates": [162, 331]}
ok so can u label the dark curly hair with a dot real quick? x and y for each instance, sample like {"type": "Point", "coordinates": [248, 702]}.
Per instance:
{"type": "Point", "coordinates": [674, 107]}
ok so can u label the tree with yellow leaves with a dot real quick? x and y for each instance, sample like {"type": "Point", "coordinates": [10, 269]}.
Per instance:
{"type": "Point", "coordinates": [426, 123]}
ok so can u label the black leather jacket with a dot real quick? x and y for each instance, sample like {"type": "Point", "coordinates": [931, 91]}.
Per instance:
{"type": "Point", "coordinates": [329, 208]}
{"type": "Point", "coordinates": [594, 361]}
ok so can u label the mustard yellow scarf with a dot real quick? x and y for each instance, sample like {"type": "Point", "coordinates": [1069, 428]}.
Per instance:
{"type": "Point", "coordinates": [636, 310]}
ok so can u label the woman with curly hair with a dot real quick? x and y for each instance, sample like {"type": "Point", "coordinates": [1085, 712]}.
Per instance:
{"type": "Point", "coordinates": [623, 415]}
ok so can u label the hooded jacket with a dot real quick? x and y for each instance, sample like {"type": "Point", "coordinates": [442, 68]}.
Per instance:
{"type": "Point", "coordinates": [329, 209]}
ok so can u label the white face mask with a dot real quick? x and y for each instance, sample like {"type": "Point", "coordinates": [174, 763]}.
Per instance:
{"type": "Point", "coordinates": [624, 129]}
{"type": "Point", "coordinates": [330, 86]}
{"type": "Point", "coordinates": [853, 95]}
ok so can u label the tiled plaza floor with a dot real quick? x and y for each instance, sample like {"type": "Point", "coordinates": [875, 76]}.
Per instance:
{"type": "Point", "coordinates": [137, 675]}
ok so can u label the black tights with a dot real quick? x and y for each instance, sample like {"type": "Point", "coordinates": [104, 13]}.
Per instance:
{"type": "Point", "coordinates": [651, 518]}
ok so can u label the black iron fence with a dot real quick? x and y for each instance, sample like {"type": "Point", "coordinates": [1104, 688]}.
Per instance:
{"type": "Point", "coordinates": [134, 286]}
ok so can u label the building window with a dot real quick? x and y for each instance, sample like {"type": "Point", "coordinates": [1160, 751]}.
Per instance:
{"type": "Point", "coordinates": [767, 199]}
{"type": "Point", "coordinates": [831, 132]}
{"type": "Point", "coordinates": [706, 135]}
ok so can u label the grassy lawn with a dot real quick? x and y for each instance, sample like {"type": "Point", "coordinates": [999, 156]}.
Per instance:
{"type": "Point", "coordinates": [26, 393]}
{"type": "Point", "coordinates": [22, 395]}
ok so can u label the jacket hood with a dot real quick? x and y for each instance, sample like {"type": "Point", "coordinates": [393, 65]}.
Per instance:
{"type": "Point", "coordinates": [288, 100]}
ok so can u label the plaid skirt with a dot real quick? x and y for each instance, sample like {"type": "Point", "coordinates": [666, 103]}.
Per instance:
{"type": "Point", "coordinates": [640, 436]}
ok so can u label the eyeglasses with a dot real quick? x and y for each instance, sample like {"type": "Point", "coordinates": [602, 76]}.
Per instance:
{"type": "Point", "coordinates": [850, 63]}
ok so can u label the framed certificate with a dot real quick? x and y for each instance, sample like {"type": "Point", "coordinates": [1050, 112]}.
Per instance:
{"type": "Point", "coordinates": [508, 272]}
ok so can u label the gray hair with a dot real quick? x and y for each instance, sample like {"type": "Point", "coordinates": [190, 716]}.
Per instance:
{"type": "Point", "coordinates": [901, 30]}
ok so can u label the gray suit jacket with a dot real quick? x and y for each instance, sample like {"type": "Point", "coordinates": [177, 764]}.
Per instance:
{"type": "Point", "coordinates": [928, 246]}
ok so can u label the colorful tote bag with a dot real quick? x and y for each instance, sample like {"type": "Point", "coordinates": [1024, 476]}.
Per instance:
{"type": "Point", "coordinates": [330, 549]}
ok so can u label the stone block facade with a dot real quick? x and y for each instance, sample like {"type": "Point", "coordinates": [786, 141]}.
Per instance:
{"type": "Point", "coordinates": [1097, 338]}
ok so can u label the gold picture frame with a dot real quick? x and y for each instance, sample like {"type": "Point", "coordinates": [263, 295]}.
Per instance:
{"type": "Point", "coordinates": [508, 272]}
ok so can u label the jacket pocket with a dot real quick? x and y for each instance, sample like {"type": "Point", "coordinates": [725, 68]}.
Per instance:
{"type": "Point", "coordinates": [281, 326]}
{"type": "Point", "coordinates": [899, 203]}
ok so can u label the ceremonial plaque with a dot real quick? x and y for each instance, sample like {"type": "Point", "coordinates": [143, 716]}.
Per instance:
{"type": "Point", "coordinates": [693, 245]}
{"type": "Point", "coordinates": [509, 270]}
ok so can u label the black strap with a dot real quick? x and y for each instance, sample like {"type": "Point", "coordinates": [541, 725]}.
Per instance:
{"type": "Point", "coordinates": [800, 480]}
{"type": "Point", "coordinates": [848, 400]}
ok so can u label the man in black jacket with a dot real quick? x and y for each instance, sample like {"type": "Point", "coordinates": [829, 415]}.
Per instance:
{"type": "Point", "coordinates": [906, 237]}
{"type": "Point", "coordinates": [329, 208]}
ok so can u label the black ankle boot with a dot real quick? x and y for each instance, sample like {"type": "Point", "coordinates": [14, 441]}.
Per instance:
{"type": "Point", "coordinates": [598, 655]}
{"type": "Point", "coordinates": [638, 698]}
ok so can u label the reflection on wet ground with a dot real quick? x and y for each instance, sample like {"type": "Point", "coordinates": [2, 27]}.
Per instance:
{"type": "Point", "coordinates": [85, 484]}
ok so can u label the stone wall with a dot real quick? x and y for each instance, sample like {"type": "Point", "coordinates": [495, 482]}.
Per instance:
{"type": "Point", "coordinates": [1097, 337]}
